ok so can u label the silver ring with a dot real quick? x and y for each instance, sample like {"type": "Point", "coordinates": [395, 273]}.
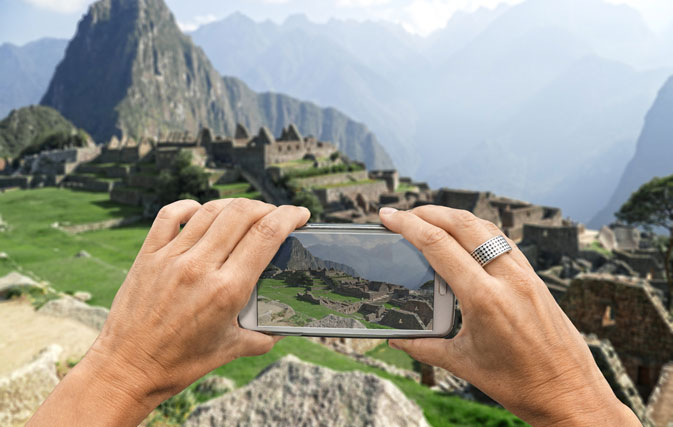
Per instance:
{"type": "Point", "coordinates": [490, 250]}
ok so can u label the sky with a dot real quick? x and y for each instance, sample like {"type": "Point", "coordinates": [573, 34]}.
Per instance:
{"type": "Point", "coordinates": [22, 21]}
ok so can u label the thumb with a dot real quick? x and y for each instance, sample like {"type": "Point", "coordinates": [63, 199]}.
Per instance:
{"type": "Point", "coordinates": [438, 352]}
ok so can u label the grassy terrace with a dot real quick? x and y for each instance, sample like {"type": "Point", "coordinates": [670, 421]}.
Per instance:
{"type": "Point", "coordinates": [346, 184]}
{"type": "Point", "coordinates": [278, 290]}
{"type": "Point", "coordinates": [404, 187]}
{"type": "Point", "coordinates": [237, 189]}
{"type": "Point", "coordinates": [37, 249]}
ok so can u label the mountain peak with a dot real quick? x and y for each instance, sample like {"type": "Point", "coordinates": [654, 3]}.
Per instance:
{"type": "Point", "coordinates": [129, 70]}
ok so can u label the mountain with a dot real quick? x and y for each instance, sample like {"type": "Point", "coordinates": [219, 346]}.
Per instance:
{"type": "Point", "coordinates": [541, 100]}
{"type": "Point", "coordinates": [653, 156]}
{"type": "Point", "coordinates": [568, 143]}
{"type": "Point", "coordinates": [292, 255]}
{"type": "Point", "coordinates": [541, 105]}
{"type": "Point", "coordinates": [129, 70]}
{"type": "Point", "coordinates": [316, 62]}
{"type": "Point", "coordinates": [26, 126]}
{"type": "Point", "coordinates": [398, 263]}
{"type": "Point", "coordinates": [26, 71]}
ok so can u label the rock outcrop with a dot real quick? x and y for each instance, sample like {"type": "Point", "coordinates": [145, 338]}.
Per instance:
{"type": "Point", "coordinates": [295, 393]}
{"type": "Point", "coordinates": [17, 281]}
{"type": "Point", "coordinates": [24, 389]}
{"type": "Point", "coordinates": [334, 321]}
{"type": "Point", "coordinates": [75, 309]}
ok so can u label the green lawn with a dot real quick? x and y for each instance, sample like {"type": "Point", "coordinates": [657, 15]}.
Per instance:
{"type": "Point", "coordinates": [34, 246]}
{"type": "Point", "coordinates": [392, 356]}
{"type": "Point", "coordinates": [279, 291]}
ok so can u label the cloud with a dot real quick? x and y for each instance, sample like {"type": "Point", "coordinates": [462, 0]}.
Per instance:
{"type": "Point", "coordinates": [196, 22]}
{"type": "Point", "coordinates": [361, 3]}
{"type": "Point", "coordinates": [60, 6]}
{"type": "Point", "coordinates": [425, 16]}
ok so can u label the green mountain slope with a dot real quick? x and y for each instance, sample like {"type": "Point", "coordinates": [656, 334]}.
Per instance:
{"type": "Point", "coordinates": [129, 70]}
{"type": "Point", "coordinates": [27, 126]}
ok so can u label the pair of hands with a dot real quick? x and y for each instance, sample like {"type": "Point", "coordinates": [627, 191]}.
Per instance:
{"type": "Point", "coordinates": [175, 318]}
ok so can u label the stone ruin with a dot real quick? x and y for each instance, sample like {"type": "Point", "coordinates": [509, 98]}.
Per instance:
{"type": "Point", "coordinates": [628, 313]}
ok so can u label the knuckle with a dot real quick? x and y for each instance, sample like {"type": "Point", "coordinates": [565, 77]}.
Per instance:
{"type": "Point", "coordinates": [190, 268]}
{"type": "Point", "coordinates": [433, 236]}
{"type": "Point", "coordinates": [466, 218]}
{"type": "Point", "coordinates": [268, 227]}
{"type": "Point", "coordinates": [491, 227]}
{"type": "Point", "coordinates": [213, 207]}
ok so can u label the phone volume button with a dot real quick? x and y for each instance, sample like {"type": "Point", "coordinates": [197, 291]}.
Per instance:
{"type": "Point", "coordinates": [442, 287]}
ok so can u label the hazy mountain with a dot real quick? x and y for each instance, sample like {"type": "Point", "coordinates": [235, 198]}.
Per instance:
{"type": "Point", "coordinates": [315, 62]}
{"type": "Point", "coordinates": [539, 101]}
{"type": "Point", "coordinates": [571, 152]}
{"type": "Point", "coordinates": [392, 263]}
{"type": "Point", "coordinates": [292, 255]}
{"type": "Point", "coordinates": [25, 127]}
{"type": "Point", "coordinates": [25, 71]}
{"type": "Point", "coordinates": [130, 70]}
{"type": "Point", "coordinates": [653, 156]}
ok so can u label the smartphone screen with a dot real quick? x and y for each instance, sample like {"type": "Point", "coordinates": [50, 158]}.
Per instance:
{"type": "Point", "coordinates": [347, 280]}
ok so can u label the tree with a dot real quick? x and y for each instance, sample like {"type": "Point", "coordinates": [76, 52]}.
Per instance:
{"type": "Point", "coordinates": [651, 206]}
{"type": "Point", "coordinates": [184, 181]}
{"type": "Point", "coordinates": [308, 200]}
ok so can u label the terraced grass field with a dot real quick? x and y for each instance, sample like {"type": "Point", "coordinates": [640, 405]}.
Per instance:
{"type": "Point", "coordinates": [36, 248]}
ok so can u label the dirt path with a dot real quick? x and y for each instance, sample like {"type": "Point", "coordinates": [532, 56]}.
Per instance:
{"type": "Point", "coordinates": [24, 332]}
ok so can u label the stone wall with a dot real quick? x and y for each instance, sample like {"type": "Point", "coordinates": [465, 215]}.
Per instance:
{"type": "Point", "coordinates": [420, 307]}
{"type": "Point", "coordinates": [613, 370]}
{"type": "Point", "coordinates": [552, 242]}
{"type": "Point", "coordinates": [127, 196]}
{"type": "Point", "coordinates": [391, 177]}
{"type": "Point", "coordinates": [626, 312]}
{"type": "Point", "coordinates": [645, 262]}
{"type": "Point", "coordinates": [20, 181]}
{"type": "Point", "coordinates": [473, 201]}
{"type": "Point", "coordinates": [400, 319]}
{"type": "Point", "coordinates": [371, 191]}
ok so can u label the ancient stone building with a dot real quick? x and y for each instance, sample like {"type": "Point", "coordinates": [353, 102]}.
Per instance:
{"type": "Point", "coordinates": [626, 312]}
{"type": "Point", "coordinates": [550, 243]}
{"type": "Point", "coordinates": [477, 202]}
{"type": "Point", "coordinates": [263, 150]}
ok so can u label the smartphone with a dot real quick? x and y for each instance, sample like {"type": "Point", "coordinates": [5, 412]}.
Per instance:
{"type": "Point", "coordinates": [349, 280]}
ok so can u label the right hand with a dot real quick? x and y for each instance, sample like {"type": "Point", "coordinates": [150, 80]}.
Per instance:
{"type": "Point", "coordinates": [515, 344]}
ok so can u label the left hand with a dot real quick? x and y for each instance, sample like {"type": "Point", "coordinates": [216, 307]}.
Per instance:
{"type": "Point", "coordinates": [175, 317]}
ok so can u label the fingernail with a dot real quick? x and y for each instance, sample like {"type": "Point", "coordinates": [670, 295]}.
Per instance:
{"type": "Point", "coordinates": [387, 211]}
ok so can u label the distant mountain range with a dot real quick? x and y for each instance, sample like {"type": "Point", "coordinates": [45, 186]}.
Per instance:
{"type": "Point", "coordinates": [129, 70]}
{"type": "Point", "coordinates": [541, 101]}
{"type": "Point", "coordinates": [653, 157]}
{"type": "Point", "coordinates": [396, 263]}
{"type": "Point", "coordinates": [292, 255]}
{"type": "Point", "coordinates": [25, 71]}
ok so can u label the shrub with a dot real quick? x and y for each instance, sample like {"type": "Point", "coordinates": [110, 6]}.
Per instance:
{"type": "Point", "coordinates": [309, 200]}
{"type": "Point", "coordinates": [184, 181]}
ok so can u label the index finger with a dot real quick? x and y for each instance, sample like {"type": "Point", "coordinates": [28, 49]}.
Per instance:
{"type": "Point", "coordinates": [460, 271]}
{"type": "Point", "coordinates": [257, 248]}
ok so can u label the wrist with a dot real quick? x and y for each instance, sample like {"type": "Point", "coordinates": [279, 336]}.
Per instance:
{"type": "Point", "coordinates": [584, 406]}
